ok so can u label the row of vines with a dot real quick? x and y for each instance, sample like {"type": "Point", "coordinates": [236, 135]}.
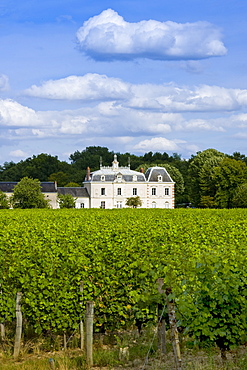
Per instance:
{"type": "Point", "coordinates": [119, 255]}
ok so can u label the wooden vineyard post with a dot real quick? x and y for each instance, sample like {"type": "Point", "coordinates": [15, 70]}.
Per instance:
{"type": "Point", "coordinates": [81, 321]}
{"type": "Point", "coordinates": [2, 328]}
{"type": "Point", "coordinates": [64, 341]}
{"type": "Point", "coordinates": [89, 333]}
{"type": "Point", "coordinates": [174, 330]}
{"type": "Point", "coordinates": [161, 321]}
{"type": "Point", "coordinates": [18, 332]}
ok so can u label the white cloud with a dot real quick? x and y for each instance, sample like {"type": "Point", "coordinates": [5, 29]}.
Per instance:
{"type": "Point", "coordinates": [15, 114]}
{"type": "Point", "coordinates": [109, 36]}
{"type": "Point", "coordinates": [157, 144]}
{"type": "Point", "coordinates": [91, 86]}
{"type": "Point", "coordinates": [172, 98]}
{"type": "Point", "coordinates": [4, 83]}
{"type": "Point", "coordinates": [200, 125]}
{"type": "Point", "coordinates": [163, 97]}
{"type": "Point", "coordinates": [18, 153]}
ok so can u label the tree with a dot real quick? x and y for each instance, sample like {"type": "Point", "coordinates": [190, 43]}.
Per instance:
{"type": "Point", "coordinates": [240, 197]}
{"type": "Point", "coordinates": [72, 185]}
{"type": "Point", "coordinates": [195, 167]}
{"type": "Point", "coordinates": [208, 185]}
{"type": "Point", "coordinates": [228, 175]}
{"type": "Point", "coordinates": [133, 202]}
{"type": "Point", "coordinates": [91, 157]}
{"type": "Point", "coordinates": [38, 167]}
{"type": "Point", "coordinates": [27, 194]}
{"type": "Point", "coordinates": [66, 201]}
{"type": "Point", "coordinates": [59, 177]}
{"type": "Point", "coordinates": [4, 203]}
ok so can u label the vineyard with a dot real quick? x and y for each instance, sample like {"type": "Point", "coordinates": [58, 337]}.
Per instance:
{"type": "Point", "coordinates": [119, 255]}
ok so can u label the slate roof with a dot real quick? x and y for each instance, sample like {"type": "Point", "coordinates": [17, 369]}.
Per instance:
{"type": "Point", "coordinates": [46, 187]}
{"type": "Point", "coordinates": [153, 172]}
{"type": "Point", "coordinates": [77, 192]}
{"type": "Point", "coordinates": [111, 175]}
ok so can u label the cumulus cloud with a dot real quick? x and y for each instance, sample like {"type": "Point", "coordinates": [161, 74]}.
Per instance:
{"type": "Point", "coordinates": [4, 83]}
{"type": "Point", "coordinates": [18, 153]}
{"type": "Point", "coordinates": [172, 98]}
{"type": "Point", "coordinates": [91, 86]}
{"type": "Point", "coordinates": [198, 124]}
{"type": "Point", "coordinates": [158, 144]}
{"type": "Point", "coordinates": [163, 97]}
{"type": "Point", "coordinates": [141, 129]}
{"type": "Point", "coordinates": [109, 36]}
{"type": "Point", "coordinates": [15, 114]}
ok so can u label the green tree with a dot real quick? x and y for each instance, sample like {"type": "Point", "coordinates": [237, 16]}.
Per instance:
{"type": "Point", "coordinates": [4, 203]}
{"type": "Point", "coordinates": [90, 157]}
{"type": "Point", "coordinates": [195, 167]}
{"type": "Point", "coordinates": [60, 178]}
{"type": "Point", "coordinates": [228, 175]}
{"type": "Point", "coordinates": [133, 202]}
{"type": "Point", "coordinates": [66, 201]}
{"type": "Point", "coordinates": [38, 167]}
{"type": "Point", "coordinates": [27, 194]}
{"type": "Point", "coordinates": [208, 185]}
{"type": "Point", "coordinates": [72, 185]}
{"type": "Point", "coordinates": [240, 197]}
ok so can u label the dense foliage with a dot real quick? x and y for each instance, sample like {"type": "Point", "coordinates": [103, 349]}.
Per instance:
{"type": "Point", "coordinates": [134, 202]}
{"type": "Point", "coordinates": [209, 179]}
{"type": "Point", "coordinates": [119, 255]}
{"type": "Point", "coordinates": [66, 201]}
{"type": "Point", "coordinates": [27, 194]}
{"type": "Point", "coordinates": [4, 203]}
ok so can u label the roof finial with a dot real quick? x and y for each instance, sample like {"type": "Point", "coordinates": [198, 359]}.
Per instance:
{"type": "Point", "coordinates": [129, 162]}
{"type": "Point", "coordinates": [100, 162]}
{"type": "Point", "coordinates": [115, 163]}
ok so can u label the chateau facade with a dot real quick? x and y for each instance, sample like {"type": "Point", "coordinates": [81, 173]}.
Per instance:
{"type": "Point", "coordinates": [110, 187]}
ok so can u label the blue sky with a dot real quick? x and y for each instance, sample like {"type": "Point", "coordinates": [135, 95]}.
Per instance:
{"type": "Point", "coordinates": [135, 76]}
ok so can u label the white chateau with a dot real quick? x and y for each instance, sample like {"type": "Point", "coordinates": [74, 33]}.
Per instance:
{"type": "Point", "coordinates": [110, 187]}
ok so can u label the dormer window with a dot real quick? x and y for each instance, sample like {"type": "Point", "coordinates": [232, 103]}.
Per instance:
{"type": "Point", "coordinates": [134, 178]}
{"type": "Point", "coordinates": [102, 177]}
{"type": "Point", "coordinates": [159, 178]}
{"type": "Point", "coordinates": [119, 178]}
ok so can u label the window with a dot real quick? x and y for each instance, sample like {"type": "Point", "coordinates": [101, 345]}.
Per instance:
{"type": "Point", "coordinates": [159, 178]}
{"type": "Point", "coordinates": [134, 191]}
{"type": "Point", "coordinates": [119, 191]}
{"type": "Point", "coordinates": [153, 205]}
{"type": "Point", "coordinates": [166, 205]}
{"type": "Point", "coordinates": [119, 205]}
{"type": "Point", "coordinates": [119, 178]}
{"type": "Point", "coordinates": [153, 191]}
{"type": "Point", "coordinates": [82, 205]}
{"type": "Point", "coordinates": [102, 191]}
{"type": "Point", "coordinates": [102, 205]}
{"type": "Point", "coordinates": [134, 178]}
{"type": "Point", "coordinates": [102, 177]}
{"type": "Point", "coordinates": [166, 191]}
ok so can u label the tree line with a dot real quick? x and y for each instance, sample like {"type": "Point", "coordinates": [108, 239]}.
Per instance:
{"type": "Point", "coordinates": [209, 179]}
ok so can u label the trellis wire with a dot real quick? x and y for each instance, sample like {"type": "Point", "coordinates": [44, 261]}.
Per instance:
{"type": "Point", "coordinates": [152, 342]}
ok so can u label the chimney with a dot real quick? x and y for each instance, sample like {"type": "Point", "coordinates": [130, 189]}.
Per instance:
{"type": "Point", "coordinates": [88, 174]}
{"type": "Point", "coordinates": [142, 170]}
